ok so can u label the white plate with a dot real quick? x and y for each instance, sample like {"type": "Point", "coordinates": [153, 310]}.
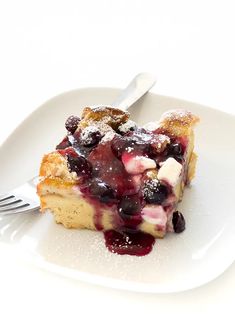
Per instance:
{"type": "Point", "coordinates": [178, 262]}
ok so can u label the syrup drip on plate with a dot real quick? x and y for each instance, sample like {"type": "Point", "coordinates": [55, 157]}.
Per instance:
{"type": "Point", "coordinates": [138, 243]}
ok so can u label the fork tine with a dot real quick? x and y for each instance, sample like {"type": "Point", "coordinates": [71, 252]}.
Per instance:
{"type": "Point", "coordinates": [13, 207]}
{"type": "Point", "coordinates": [5, 197]}
{"type": "Point", "coordinates": [19, 209]}
{"type": "Point", "coordinates": [10, 201]}
{"type": "Point", "coordinates": [22, 199]}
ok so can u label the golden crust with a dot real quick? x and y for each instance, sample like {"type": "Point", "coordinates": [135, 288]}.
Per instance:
{"type": "Point", "coordinates": [57, 185]}
{"type": "Point", "coordinates": [54, 183]}
{"type": "Point", "coordinates": [110, 116]}
{"type": "Point", "coordinates": [178, 122]}
{"type": "Point", "coordinates": [55, 165]}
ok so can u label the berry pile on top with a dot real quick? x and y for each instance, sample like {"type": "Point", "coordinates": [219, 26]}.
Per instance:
{"type": "Point", "coordinates": [130, 169]}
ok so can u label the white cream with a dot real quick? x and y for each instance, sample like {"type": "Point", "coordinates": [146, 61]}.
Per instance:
{"type": "Point", "coordinates": [170, 171]}
{"type": "Point", "coordinates": [154, 214]}
{"type": "Point", "coordinates": [137, 164]}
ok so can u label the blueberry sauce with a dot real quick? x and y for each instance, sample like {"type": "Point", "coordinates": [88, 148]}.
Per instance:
{"type": "Point", "coordinates": [98, 219]}
{"type": "Point", "coordinates": [68, 151]}
{"type": "Point", "coordinates": [132, 141]}
{"type": "Point", "coordinates": [138, 243]}
{"type": "Point", "coordinates": [64, 143]}
{"type": "Point", "coordinates": [111, 170]}
{"type": "Point", "coordinates": [78, 144]}
{"type": "Point", "coordinates": [106, 183]}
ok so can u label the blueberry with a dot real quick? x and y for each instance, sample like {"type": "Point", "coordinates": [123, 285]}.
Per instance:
{"type": "Point", "coordinates": [71, 123]}
{"type": "Point", "coordinates": [154, 192]}
{"type": "Point", "coordinates": [174, 149]}
{"type": "Point", "coordinates": [178, 222]}
{"type": "Point", "coordinates": [90, 136]}
{"type": "Point", "coordinates": [129, 206]}
{"type": "Point", "coordinates": [80, 165]}
{"type": "Point", "coordinates": [102, 191]}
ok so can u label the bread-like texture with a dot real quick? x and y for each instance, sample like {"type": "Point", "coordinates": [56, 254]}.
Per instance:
{"type": "Point", "coordinates": [54, 165]}
{"type": "Point", "coordinates": [58, 188]}
{"type": "Point", "coordinates": [108, 115]}
{"type": "Point", "coordinates": [178, 122]}
{"type": "Point", "coordinates": [59, 192]}
{"type": "Point", "coordinates": [72, 210]}
{"type": "Point", "coordinates": [191, 167]}
{"type": "Point", "coordinates": [181, 123]}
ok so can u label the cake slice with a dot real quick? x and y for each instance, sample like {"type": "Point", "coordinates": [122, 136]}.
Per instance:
{"type": "Point", "coordinates": [109, 174]}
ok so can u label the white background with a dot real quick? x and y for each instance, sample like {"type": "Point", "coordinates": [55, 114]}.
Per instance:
{"type": "Point", "coordinates": [47, 47]}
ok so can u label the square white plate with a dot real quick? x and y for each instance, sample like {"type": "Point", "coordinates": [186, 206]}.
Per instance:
{"type": "Point", "coordinates": [178, 262]}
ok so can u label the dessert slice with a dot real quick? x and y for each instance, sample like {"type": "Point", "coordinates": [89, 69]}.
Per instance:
{"type": "Point", "coordinates": [109, 174]}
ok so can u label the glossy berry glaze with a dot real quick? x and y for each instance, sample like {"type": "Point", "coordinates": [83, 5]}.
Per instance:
{"type": "Point", "coordinates": [104, 180]}
{"type": "Point", "coordinates": [138, 244]}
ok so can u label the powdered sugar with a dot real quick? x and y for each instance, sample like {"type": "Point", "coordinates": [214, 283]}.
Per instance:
{"type": "Point", "coordinates": [128, 126]}
{"type": "Point", "coordinates": [151, 126]}
{"type": "Point", "coordinates": [101, 126]}
{"type": "Point", "coordinates": [182, 116]}
{"type": "Point", "coordinates": [150, 186]}
{"type": "Point", "coordinates": [85, 135]}
{"type": "Point", "coordinates": [108, 137]}
{"type": "Point", "coordinates": [129, 149]}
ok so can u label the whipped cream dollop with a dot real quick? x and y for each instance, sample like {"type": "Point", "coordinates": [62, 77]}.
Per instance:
{"type": "Point", "coordinates": [170, 171]}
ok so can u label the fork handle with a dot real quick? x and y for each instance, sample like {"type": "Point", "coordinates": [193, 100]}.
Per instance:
{"type": "Point", "coordinates": [139, 86]}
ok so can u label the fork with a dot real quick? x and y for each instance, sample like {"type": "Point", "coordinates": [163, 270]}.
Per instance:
{"type": "Point", "coordinates": [23, 198]}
